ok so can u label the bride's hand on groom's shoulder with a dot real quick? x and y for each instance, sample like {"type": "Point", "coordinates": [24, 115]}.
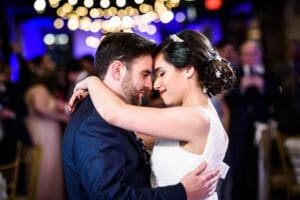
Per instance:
{"type": "Point", "coordinates": [79, 93]}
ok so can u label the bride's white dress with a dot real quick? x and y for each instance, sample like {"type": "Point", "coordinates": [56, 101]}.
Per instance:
{"type": "Point", "coordinates": [170, 162]}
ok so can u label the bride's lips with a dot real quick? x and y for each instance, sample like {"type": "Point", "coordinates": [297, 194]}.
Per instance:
{"type": "Point", "coordinates": [162, 92]}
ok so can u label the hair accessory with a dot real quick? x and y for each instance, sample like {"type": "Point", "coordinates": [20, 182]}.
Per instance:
{"type": "Point", "coordinates": [215, 56]}
{"type": "Point", "coordinates": [175, 38]}
{"type": "Point", "coordinates": [218, 74]}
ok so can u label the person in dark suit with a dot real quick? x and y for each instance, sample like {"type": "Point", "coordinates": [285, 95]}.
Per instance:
{"type": "Point", "coordinates": [250, 104]}
{"type": "Point", "coordinates": [102, 161]}
{"type": "Point", "coordinates": [12, 113]}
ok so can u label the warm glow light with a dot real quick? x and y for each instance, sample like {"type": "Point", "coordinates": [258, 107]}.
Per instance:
{"type": "Point", "coordinates": [60, 12]}
{"type": "Point", "coordinates": [118, 15]}
{"type": "Point", "coordinates": [173, 3]}
{"type": "Point", "coordinates": [92, 42]}
{"type": "Point", "coordinates": [58, 23]}
{"type": "Point", "coordinates": [112, 11]}
{"type": "Point", "coordinates": [81, 11]}
{"type": "Point", "coordinates": [127, 22]}
{"type": "Point", "coordinates": [213, 4]}
{"type": "Point", "coordinates": [96, 25]}
{"type": "Point", "coordinates": [94, 13]}
{"type": "Point", "coordinates": [84, 23]}
{"type": "Point", "coordinates": [49, 39]}
{"type": "Point", "coordinates": [122, 13]}
{"type": "Point", "coordinates": [115, 22]}
{"type": "Point", "coordinates": [143, 28]}
{"type": "Point", "coordinates": [166, 17]}
{"type": "Point", "coordinates": [39, 5]}
{"type": "Point", "coordinates": [104, 3]}
{"type": "Point", "coordinates": [138, 1]}
{"type": "Point", "coordinates": [146, 18]}
{"type": "Point", "coordinates": [128, 30]}
{"type": "Point", "coordinates": [151, 29]}
{"type": "Point", "coordinates": [144, 8]}
{"type": "Point", "coordinates": [66, 8]}
{"type": "Point", "coordinates": [73, 23]}
{"type": "Point", "coordinates": [88, 3]}
{"type": "Point", "coordinates": [121, 3]}
{"type": "Point", "coordinates": [129, 10]}
{"type": "Point", "coordinates": [73, 2]}
{"type": "Point", "coordinates": [53, 3]}
{"type": "Point", "coordinates": [160, 8]}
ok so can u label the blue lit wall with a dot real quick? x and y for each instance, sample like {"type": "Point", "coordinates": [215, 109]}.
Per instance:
{"type": "Point", "coordinates": [79, 47]}
{"type": "Point", "coordinates": [209, 27]}
{"type": "Point", "coordinates": [32, 32]}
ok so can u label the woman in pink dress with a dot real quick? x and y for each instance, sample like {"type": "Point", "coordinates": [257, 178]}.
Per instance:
{"type": "Point", "coordinates": [45, 115]}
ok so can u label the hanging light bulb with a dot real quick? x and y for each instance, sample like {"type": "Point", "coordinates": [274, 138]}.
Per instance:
{"type": "Point", "coordinates": [104, 3]}
{"type": "Point", "coordinates": [120, 16]}
{"type": "Point", "coordinates": [121, 3]}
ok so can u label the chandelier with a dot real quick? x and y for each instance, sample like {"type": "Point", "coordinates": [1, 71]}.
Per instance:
{"type": "Point", "coordinates": [107, 15]}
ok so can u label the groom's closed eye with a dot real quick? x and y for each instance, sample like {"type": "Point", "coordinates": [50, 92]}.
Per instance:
{"type": "Point", "coordinates": [145, 74]}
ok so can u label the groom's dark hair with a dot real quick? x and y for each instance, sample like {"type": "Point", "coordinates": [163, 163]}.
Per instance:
{"type": "Point", "coordinates": [121, 46]}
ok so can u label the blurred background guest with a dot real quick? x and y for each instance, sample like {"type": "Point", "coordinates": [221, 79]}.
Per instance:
{"type": "Point", "coordinates": [12, 112]}
{"type": "Point", "coordinates": [87, 64]}
{"type": "Point", "coordinates": [45, 115]}
{"type": "Point", "coordinates": [252, 101]}
{"type": "Point", "coordinates": [288, 106]}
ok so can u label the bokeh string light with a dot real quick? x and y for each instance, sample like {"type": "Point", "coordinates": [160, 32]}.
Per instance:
{"type": "Point", "coordinates": [107, 15]}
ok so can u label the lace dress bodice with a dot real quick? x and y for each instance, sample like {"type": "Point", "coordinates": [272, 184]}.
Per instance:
{"type": "Point", "coordinates": [170, 162]}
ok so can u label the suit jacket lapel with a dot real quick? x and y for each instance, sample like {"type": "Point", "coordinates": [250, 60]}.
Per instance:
{"type": "Point", "coordinates": [140, 147]}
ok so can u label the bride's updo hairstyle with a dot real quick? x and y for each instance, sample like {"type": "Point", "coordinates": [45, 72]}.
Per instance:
{"type": "Point", "coordinates": [189, 47]}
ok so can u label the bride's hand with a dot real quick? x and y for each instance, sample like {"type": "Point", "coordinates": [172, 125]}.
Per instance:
{"type": "Point", "coordinates": [80, 92]}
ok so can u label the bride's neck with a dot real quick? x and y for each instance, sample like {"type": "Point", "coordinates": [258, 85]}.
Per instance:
{"type": "Point", "coordinates": [196, 97]}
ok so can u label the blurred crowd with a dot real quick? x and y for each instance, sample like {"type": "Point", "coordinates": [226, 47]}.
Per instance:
{"type": "Point", "coordinates": [33, 110]}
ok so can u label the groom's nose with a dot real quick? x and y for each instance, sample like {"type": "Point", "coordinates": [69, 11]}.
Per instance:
{"type": "Point", "coordinates": [148, 83]}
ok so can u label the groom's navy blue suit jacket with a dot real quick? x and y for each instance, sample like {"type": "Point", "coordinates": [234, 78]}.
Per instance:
{"type": "Point", "coordinates": [102, 161]}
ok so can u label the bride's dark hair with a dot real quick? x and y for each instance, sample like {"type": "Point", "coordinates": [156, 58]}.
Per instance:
{"type": "Point", "coordinates": [189, 47]}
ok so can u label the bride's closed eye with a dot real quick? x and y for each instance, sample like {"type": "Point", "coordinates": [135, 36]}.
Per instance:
{"type": "Point", "coordinates": [161, 74]}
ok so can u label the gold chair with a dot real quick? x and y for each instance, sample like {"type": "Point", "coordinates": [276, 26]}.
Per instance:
{"type": "Point", "coordinates": [283, 178]}
{"type": "Point", "coordinates": [10, 172]}
{"type": "Point", "coordinates": [293, 155]}
{"type": "Point", "coordinates": [264, 165]}
{"type": "Point", "coordinates": [31, 158]}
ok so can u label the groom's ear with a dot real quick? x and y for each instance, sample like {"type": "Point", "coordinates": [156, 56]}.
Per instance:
{"type": "Point", "coordinates": [118, 70]}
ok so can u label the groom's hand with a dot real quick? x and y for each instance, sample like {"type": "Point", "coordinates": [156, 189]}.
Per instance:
{"type": "Point", "coordinates": [199, 185]}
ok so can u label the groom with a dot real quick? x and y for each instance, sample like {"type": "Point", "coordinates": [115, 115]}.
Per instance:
{"type": "Point", "coordinates": [102, 161]}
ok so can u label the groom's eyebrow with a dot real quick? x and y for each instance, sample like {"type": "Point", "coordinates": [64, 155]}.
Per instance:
{"type": "Point", "coordinates": [146, 72]}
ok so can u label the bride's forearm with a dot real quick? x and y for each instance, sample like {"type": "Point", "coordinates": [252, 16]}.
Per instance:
{"type": "Point", "coordinates": [170, 123]}
{"type": "Point", "coordinates": [106, 102]}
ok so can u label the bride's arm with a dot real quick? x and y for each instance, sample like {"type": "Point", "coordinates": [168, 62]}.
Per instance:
{"type": "Point", "coordinates": [180, 123]}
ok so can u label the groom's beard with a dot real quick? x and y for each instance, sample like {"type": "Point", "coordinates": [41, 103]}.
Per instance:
{"type": "Point", "coordinates": [130, 91]}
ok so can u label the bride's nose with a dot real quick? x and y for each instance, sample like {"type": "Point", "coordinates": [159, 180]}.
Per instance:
{"type": "Point", "coordinates": [156, 84]}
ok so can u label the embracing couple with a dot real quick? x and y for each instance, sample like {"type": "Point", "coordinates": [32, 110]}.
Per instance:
{"type": "Point", "coordinates": [102, 156]}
